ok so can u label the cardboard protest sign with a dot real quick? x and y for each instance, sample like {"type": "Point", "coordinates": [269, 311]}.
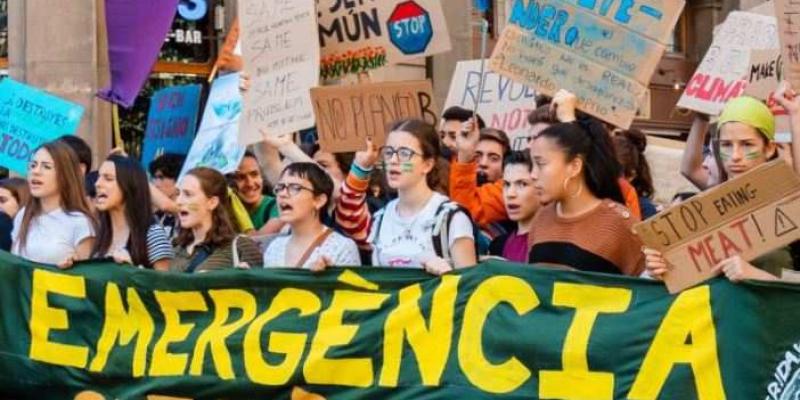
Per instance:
{"type": "Point", "coordinates": [788, 14]}
{"type": "Point", "coordinates": [347, 115]}
{"type": "Point", "coordinates": [504, 104]}
{"type": "Point", "coordinates": [30, 117]}
{"type": "Point", "coordinates": [765, 73]}
{"type": "Point", "coordinates": [216, 144]}
{"type": "Point", "coordinates": [764, 76]}
{"type": "Point", "coordinates": [723, 73]}
{"type": "Point", "coordinates": [359, 36]}
{"type": "Point", "coordinates": [171, 121]}
{"type": "Point", "coordinates": [748, 216]}
{"type": "Point", "coordinates": [605, 55]}
{"type": "Point", "coordinates": [281, 54]}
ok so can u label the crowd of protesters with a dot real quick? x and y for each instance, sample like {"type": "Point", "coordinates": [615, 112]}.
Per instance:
{"type": "Point", "coordinates": [436, 198]}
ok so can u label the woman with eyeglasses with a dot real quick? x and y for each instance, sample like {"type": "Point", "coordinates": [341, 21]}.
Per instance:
{"type": "Point", "coordinates": [421, 228]}
{"type": "Point", "coordinates": [304, 193]}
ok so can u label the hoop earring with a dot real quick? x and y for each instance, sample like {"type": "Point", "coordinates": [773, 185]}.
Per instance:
{"type": "Point", "coordinates": [576, 193]}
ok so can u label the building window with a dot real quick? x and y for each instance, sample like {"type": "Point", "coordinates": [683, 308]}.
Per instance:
{"type": "Point", "coordinates": [3, 34]}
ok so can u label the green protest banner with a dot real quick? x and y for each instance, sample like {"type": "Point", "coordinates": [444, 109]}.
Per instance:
{"type": "Point", "coordinates": [499, 330]}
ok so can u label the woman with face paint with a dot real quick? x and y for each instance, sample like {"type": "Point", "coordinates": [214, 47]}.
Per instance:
{"type": "Point", "coordinates": [304, 193]}
{"type": "Point", "coordinates": [128, 231]}
{"type": "Point", "coordinates": [584, 225]}
{"type": "Point", "coordinates": [404, 233]}
{"type": "Point", "coordinates": [56, 226]}
{"type": "Point", "coordinates": [746, 141]}
{"type": "Point", "coordinates": [207, 239]}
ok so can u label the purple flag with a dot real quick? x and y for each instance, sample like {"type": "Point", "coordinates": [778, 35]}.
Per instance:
{"type": "Point", "coordinates": [136, 31]}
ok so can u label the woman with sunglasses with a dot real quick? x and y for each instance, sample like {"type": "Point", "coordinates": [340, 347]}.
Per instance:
{"type": "Point", "coordinates": [408, 232]}
{"type": "Point", "coordinates": [304, 193]}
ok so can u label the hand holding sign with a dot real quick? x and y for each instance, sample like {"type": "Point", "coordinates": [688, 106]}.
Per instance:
{"type": "Point", "coordinates": [563, 105]}
{"type": "Point", "coordinates": [787, 98]}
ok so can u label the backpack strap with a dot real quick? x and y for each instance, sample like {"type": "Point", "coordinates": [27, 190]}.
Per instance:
{"type": "Point", "coordinates": [441, 228]}
{"type": "Point", "coordinates": [200, 256]}
{"type": "Point", "coordinates": [377, 221]}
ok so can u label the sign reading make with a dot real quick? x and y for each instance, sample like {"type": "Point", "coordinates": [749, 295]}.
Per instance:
{"type": "Point", "coordinates": [30, 117]}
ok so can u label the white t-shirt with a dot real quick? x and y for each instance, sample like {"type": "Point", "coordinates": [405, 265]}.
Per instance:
{"type": "Point", "coordinates": [342, 251]}
{"type": "Point", "coordinates": [406, 242]}
{"type": "Point", "coordinates": [51, 236]}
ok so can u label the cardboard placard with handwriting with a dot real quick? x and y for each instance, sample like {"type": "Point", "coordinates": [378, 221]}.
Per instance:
{"type": "Point", "coordinates": [788, 14]}
{"type": "Point", "coordinates": [347, 115]}
{"type": "Point", "coordinates": [748, 216]}
{"type": "Point", "coordinates": [281, 55]}
{"type": "Point", "coordinates": [723, 73]}
{"type": "Point", "coordinates": [504, 104]}
{"type": "Point", "coordinates": [357, 36]}
{"type": "Point", "coordinates": [765, 73]}
{"type": "Point", "coordinates": [604, 53]}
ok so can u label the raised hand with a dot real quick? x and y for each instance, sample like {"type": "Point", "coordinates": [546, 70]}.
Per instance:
{"type": "Point", "coordinates": [564, 105]}
{"type": "Point", "coordinates": [368, 157]}
{"type": "Point", "coordinates": [467, 141]}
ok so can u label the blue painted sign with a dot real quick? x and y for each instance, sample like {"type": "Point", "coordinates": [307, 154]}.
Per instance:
{"type": "Point", "coordinates": [603, 51]}
{"type": "Point", "coordinates": [30, 117]}
{"type": "Point", "coordinates": [410, 28]}
{"type": "Point", "coordinates": [216, 144]}
{"type": "Point", "coordinates": [171, 121]}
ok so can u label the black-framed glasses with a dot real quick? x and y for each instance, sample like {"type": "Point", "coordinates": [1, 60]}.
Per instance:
{"type": "Point", "coordinates": [293, 188]}
{"type": "Point", "coordinates": [403, 153]}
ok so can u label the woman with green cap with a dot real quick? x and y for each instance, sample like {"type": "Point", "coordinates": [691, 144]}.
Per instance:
{"type": "Point", "coordinates": [746, 141]}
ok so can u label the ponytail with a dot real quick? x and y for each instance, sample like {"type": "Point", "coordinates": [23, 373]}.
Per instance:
{"type": "Point", "coordinates": [588, 139]}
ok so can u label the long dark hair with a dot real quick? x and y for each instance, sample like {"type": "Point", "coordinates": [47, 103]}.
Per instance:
{"type": "Point", "coordinates": [428, 142]}
{"type": "Point", "coordinates": [18, 188]}
{"type": "Point", "coordinates": [589, 140]}
{"type": "Point", "coordinates": [630, 146]}
{"type": "Point", "coordinates": [132, 182]}
{"type": "Point", "coordinates": [71, 192]}
{"type": "Point", "coordinates": [321, 182]}
{"type": "Point", "coordinates": [222, 232]}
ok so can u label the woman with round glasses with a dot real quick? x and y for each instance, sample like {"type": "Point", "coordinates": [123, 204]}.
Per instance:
{"type": "Point", "coordinates": [304, 192]}
{"type": "Point", "coordinates": [421, 228]}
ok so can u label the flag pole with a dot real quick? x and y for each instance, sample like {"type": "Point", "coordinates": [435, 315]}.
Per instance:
{"type": "Point", "coordinates": [115, 120]}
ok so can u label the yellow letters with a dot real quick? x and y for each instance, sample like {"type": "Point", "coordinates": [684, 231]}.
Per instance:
{"type": "Point", "coordinates": [216, 333]}
{"type": "Point", "coordinates": [172, 304]}
{"type": "Point", "coordinates": [332, 332]}
{"type": "Point", "coordinates": [431, 344]}
{"type": "Point", "coordinates": [575, 381]}
{"type": "Point", "coordinates": [688, 317]}
{"type": "Point", "coordinates": [122, 325]}
{"type": "Point", "coordinates": [45, 318]}
{"type": "Point", "coordinates": [510, 375]}
{"type": "Point", "coordinates": [290, 344]}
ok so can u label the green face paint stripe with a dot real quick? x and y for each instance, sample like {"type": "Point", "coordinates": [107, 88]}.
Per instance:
{"type": "Point", "coordinates": [753, 155]}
